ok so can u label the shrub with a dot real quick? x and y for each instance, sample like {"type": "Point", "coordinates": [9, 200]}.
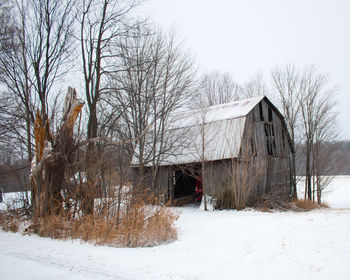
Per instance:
{"type": "Point", "coordinates": [147, 226]}
{"type": "Point", "coordinates": [8, 222]}
{"type": "Point", "coordinates": [308, 204]}
{"type": "Point", "coordinates": [143, 226]}
{"type": "Point", "coordinates": [226, 199]}
{"type": "Point", "coordinates": [127, 218]}
{"type": "Point", "coordinates": [268, 203]}
{"type": "Point", "coordinates": [140, 222]}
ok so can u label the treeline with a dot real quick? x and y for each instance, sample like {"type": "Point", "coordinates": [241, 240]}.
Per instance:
{"type": "Point", "coordinates": [340, 155]}
{"type": "Point", "coordinates": [344, 152]}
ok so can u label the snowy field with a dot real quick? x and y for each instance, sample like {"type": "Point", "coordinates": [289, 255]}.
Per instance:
{"type": "Point", "coordinates": [211, 245]}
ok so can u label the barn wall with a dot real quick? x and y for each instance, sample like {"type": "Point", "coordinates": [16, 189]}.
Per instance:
{"type": "Point", "coordinates": [217, 176]}
{"type": "Point", "coordinates": [271, 141]}
{"type": "Point", "coordinates": [15, 180]}
{"type": "Point", "coordinates": [164, 182]}
{"type": "Point", "coordinates": [243, 177]}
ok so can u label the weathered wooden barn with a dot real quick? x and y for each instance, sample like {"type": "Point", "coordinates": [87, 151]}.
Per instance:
{"type": "Point", "coordinates": [245, 148]}
{"type": "Point", "coordinates": [14, 180]}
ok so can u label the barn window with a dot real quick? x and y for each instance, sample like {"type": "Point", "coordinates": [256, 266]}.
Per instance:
{"type": "Point", "coordinates": [266, 128]}
{"type": "Point", "coordinates": [252, 146]}
{"type": "Point", "coordinates": [261, 112]}
{"type": "Point", "coordinates": [270, 114]}
{"type": "Point", "coordinates": [269, 148]}
{"type": "Point", "coordinates": [270, 139]}
{"type": "Point", "coordinates": [269, 130]}
{"type": "Point", "coordinates": [283, 139]}
{"type": "Point", "coordinates": [274, 144]}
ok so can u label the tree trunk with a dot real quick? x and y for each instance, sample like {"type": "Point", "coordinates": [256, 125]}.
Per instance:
{"type": "Point", "coordinates": [319, 190]}
{"type": "Point", "coordinates": [53, 157]}
{"type": "Point", "coordinates": [308, 172]}
{"type": "Point", "coordinates": [204, 186]}
{"type": "Point", "coordinates": [91, 168]}
{"type": "Point", "coordinates": [294, 177]}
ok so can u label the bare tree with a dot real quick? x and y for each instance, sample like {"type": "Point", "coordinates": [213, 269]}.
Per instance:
{"type": "Point", "coordinates": [101, 24]}
{"type": "Point", "coordinates": [317, 111]}
{"type": "Point", "coordinates": [157, 78]}
{"type": "Point", "coordinates": [48, 30]}
{"type": "Point", "coordinates": [288, 86]}
{"type": "Point", "coordinates": [325, 164]}
{"type": "Point", "coordinates": [16, 76]}
{"type": "Point", "coordinates": [215, 88]}
{"type": "Point", "coordinates": [255, 86]}
{"type": "Point", "coordinates": [202, 151]}
{"type": "Point", "coordinates": [7, 27]}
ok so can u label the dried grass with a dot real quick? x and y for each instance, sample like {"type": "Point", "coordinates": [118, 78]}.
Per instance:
{"type": "Point", "coordinates": [147, 226]}
{"type": "Point", "coordinates": [270, 203]}
{"type": "Point", "coordinates": [9, 222]}
{"type": "Point", "coordinates": [140, 223]}
{"type": "Point", "coordinates": [143, 226]}
{"type": "Point", "coordinates": [130, 219]}
{"type": "Point", "coordinates": [308, 204]}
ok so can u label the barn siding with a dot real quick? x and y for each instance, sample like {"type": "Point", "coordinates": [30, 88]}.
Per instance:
{"type": "Point", "coordinates": [278, 166]}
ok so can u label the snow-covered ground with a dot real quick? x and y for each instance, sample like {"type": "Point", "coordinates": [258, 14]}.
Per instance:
{"type": "Point", "coordinates": [211, 245]}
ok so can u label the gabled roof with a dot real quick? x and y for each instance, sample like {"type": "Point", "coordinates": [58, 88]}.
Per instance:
{"type": "Point", "coordinates": [221, 125]}
{"type": "Point", "coordinates": [214, 113]}
{"type": "Point", "coordinates": [212, 141]}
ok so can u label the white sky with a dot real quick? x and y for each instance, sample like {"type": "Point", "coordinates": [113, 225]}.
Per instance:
{"type": "Point", "coordinates": [245, 37]}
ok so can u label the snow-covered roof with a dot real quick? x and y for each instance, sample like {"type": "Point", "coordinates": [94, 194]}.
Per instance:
{"type": "Point", "coordinates": [218, 129]}
{"type": "Point", "coordinates": [215, 113]}
{"type": "Point", "coordinates": [211, 141]}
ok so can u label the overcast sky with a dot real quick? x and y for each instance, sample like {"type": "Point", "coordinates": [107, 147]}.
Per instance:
{"type": "Point", "coordinates": [245, 37]}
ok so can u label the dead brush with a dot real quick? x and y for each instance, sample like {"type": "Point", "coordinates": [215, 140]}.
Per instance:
{"type": "Point", "coordinates": [9, 222]}
{"type": "Point", "coordinates": [53, 226]}
{"type": "Point", "coordinates": [270, 203]}
{"type": "Point", "coordinates": [308, 205]}
{"type": "Point", "coordinates": [147, 226]}
{"type": "Point", "coordinates": [97, 230]}
{"type": "Point", "coordinates": [142, 222]}
{"type": "Point", "coordinates": [159, 227]}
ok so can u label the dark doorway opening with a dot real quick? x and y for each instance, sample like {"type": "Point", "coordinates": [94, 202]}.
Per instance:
{"type": "Point", "coordinates": [185, 184]}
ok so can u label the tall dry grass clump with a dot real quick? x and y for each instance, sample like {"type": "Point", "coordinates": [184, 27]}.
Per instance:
{"type": "Point", "coordinates": [136, 221]}
{"type": "Point", "coordinates": [147, 226]}
{"type": "Point", "coordinates": [9, 222]}
{"type": "Point", "coordinates": [308, 204]}
{"type": "Point", "coordinates": [269, 203]}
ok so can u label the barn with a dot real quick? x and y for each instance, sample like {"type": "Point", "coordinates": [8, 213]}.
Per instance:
{"type": "Point", "coordinates": [241, 151]}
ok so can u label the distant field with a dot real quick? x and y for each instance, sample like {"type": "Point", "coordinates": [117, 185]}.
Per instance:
{"type": "Point", "coordinates": [337, 195]}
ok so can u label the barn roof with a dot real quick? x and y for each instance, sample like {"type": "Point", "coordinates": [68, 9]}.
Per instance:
{"type": "Point", "coordinates": [215, 113]}
{"type": "Point", "coordinates": [221, 125]}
